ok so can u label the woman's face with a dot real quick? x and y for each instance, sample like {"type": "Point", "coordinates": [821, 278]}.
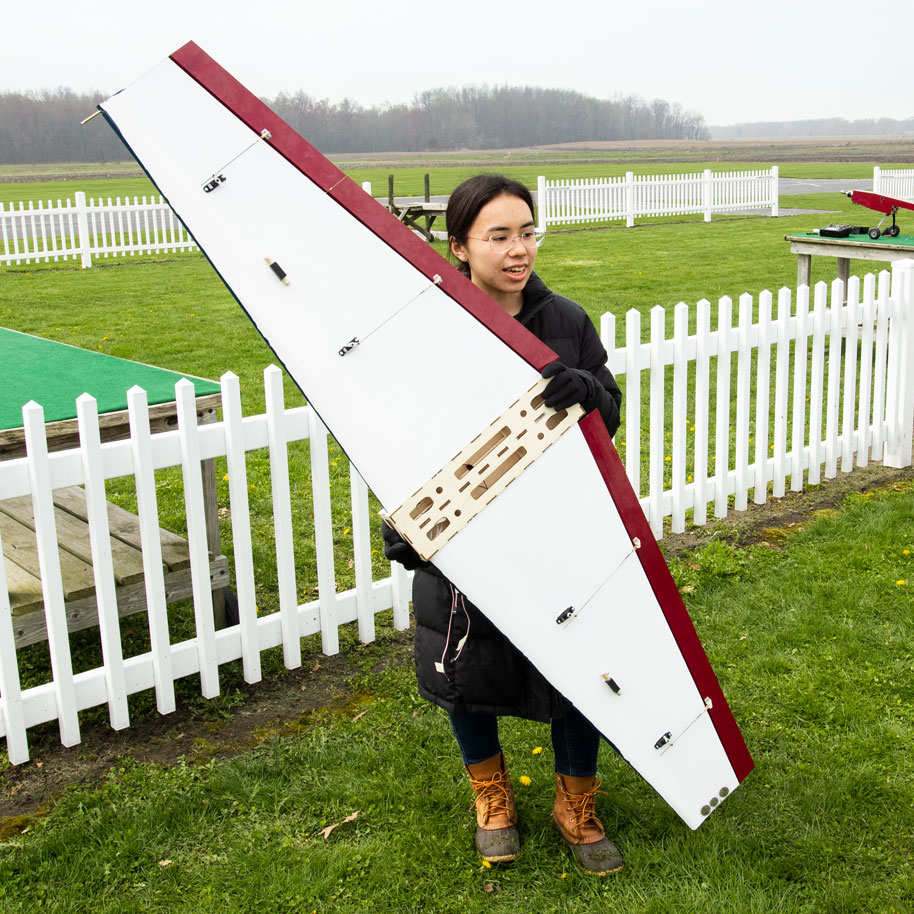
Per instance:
{"type": "Point", "coordinates": [501, 275]}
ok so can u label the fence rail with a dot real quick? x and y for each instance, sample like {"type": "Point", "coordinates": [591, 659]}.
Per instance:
{"type": "Point", "coordinates": [565, 202]}
{"type": "Point", "coordinates": [894, 182]}
{"type": "Point", "coordinates": [89, 229]}
{"type": "Point", "coordinates": [817, 386]}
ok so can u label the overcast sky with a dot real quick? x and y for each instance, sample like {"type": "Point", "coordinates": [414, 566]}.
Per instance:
{"type": "Point", "coordinates": [731, 62]}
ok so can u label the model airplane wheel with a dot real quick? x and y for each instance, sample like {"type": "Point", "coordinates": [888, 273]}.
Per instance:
{"type": "Point", "coordinates": [892, 231]}
{"type": "Point", "coordinates": [875, 233]}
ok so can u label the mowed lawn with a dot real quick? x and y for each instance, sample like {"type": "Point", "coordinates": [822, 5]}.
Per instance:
{"type": "Point", "coordinates": [811, 639]}
{"type": "Point", "coordinates": [810, 633]}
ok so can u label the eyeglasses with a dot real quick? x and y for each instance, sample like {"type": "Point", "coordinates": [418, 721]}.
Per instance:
{"type": "Point", "coordinates": [502, 243]}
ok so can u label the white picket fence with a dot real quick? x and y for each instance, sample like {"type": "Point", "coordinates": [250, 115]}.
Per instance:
{"type": "Point", "coordinates": [585, 200]}
{"type": "Point", "coordinates": [90, 229]}
{"type": "Point", "coordinates": [852, 401]}
{"type": "Point", "coordinates": [67, 693]}
{"type": "Point", "coordinates": [816, 386]}
{"type": "Point", "coordinates": [894, 182]}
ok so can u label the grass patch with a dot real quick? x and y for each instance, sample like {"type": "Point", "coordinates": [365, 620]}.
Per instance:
{"type": "Point", "coordinates": [811, 641]}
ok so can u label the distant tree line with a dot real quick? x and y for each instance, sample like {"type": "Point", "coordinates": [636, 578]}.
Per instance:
{"type": "Point", "coordinates": [483, 118]}
{"type": "Point", "coordinates": [38, 127]}
{"type": "Point", "coordinates": [826, 126]}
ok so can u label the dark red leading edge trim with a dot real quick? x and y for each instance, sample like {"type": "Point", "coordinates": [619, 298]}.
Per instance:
{"type": "Point", "coordinates": [303, 156]}
{"type": "Point", "coordinates": [677, 616]}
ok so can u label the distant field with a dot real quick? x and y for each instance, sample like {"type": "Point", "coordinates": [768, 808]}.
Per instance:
{"type": "Point", "coordinates": [838, 158]}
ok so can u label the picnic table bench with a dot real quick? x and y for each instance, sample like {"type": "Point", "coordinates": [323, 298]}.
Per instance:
{"type": "Point", "coordinates": [54, 375]}
{"type": "Point", "coordinates": [20, 554]}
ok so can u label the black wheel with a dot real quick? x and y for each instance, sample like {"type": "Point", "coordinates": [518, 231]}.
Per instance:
{"type": "Point", "coordinates": [874, 233]}
{"type": "Point", "coordinates": [892, 231]}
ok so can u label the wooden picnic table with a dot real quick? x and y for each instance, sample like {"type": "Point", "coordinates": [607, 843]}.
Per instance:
{"type": "Point", "coordinates": [411, 214]}
{"type": "Point", "coordinates": [54, 375]}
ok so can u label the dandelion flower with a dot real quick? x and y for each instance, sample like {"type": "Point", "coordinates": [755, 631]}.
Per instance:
{"type": "Point", "coordinates": [345, 531]}
{"type": "Point", "coordinates": [525, 780]}
{"type": "Point", "coordinates": [905, 551]}
{"type": "Point", "coordinates": [563, 876]}
{"type": "Point", "coordinates": [537, 750]}
{"type": "Point", "coordinates": [486, 864]}
{"type": "Point", "coordinates": [897, 583]}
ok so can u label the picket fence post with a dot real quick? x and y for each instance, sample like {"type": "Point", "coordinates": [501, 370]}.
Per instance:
{"type": "Point", "coordinates": [709, 194]}
{"type": "Point", "coordinates": [775, 188]}
{"type": "Point", "coordinates": [900, 389]}
{"type": "Point", "coordinates": [541, 203]}
{"type": "Point", "coordinates": [82, 229]}
{"type": "Point", "coordinates": [629, 199]}
{"type": "Point", "coordinates": [877, 179]}
{"type": "Point", "coordinates": [11, 710]}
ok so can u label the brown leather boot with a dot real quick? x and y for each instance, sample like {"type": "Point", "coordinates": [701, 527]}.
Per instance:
{"type": "Point", "coordinates": [576, 820]}
{"type": "Point", "coordinates": [496, 818]}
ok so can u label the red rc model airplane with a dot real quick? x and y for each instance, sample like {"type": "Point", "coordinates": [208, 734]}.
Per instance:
{"type": "Point", "coordinates": [880, 204]}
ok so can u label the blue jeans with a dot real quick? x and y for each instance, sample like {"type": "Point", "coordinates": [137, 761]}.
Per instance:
{"type": "Point", "coordinates": [575, 741]}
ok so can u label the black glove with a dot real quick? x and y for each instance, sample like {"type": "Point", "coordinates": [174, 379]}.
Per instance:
{"type": "Point", "coordinates": [398, 550]}
{"type": "Point", "coordinates": [568, 386]}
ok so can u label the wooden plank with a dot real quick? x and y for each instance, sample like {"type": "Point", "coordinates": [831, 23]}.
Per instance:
{"type": "Point", "coordinates": [24, 588]}
{"type": "Point", "coordinates": [125, 527]}
{"type": "Point", "coordinates": [30, 628]}
{"type": "Point", "coordinates": [20, 546]}
{"type": "Point", "coordinates": [73, 537]}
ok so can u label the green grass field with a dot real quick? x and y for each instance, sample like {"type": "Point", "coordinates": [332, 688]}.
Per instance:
{"type": "Point", "coordinates": [812, 642]}
{"type": "Point", "coordinates": [810, 636]}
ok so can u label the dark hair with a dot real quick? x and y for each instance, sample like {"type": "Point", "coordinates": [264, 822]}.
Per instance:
{"type": "Point", "coordinates": [469, 198]}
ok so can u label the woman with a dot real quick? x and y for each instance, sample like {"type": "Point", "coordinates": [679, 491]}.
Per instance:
{"type": "Point", "coordinates": [463, 663]}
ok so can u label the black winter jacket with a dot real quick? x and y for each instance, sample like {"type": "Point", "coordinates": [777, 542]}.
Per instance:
{"type": "Point", "coordinates": [488, 675]}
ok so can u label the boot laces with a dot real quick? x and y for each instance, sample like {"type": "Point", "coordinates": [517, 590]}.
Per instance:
{"type": "Point", "coordinates": [492, 795]}
{"type": "Point", "coordinates": [583, 806]}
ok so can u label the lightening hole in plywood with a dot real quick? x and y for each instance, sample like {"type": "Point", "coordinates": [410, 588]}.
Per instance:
{"type": "Point", "coordinates": [502, 452]}
{"type": "Point", "coordinates": [556, 418]}
{"type": "Point", "coordinates": [540, 435]}
{"type": "Point", "coordinates": [421, 507]}
{"type": "Point", "coordinates": [521, 435]}
{"type": "Point", "coordinates": [457, 512]}
{"type": "Point", "coordinates": [724, 791]}
{"type": "Point", "coordinates": [706, 810]}
{"type": "Point", "coordinates": [439, 528]}
{"type": "Point", "coordinates": [442, 507]}
{"type": "Point", "coordinates": [480, 454]}
{"type": "Point", "coordinates": [439, 490]}
{"type": "Point", "coordinates": [523, 413]}
{"type": "Point", "coordinates": [714, 801]}
{"type": "Point", "coordinates": [498, 472]}
{"type": "Point", "coordinates": [537, 401]}
{"type": "Point", "coordinates": [464, 487]}
{"type": "Point", "coordinates": [424, 523]}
